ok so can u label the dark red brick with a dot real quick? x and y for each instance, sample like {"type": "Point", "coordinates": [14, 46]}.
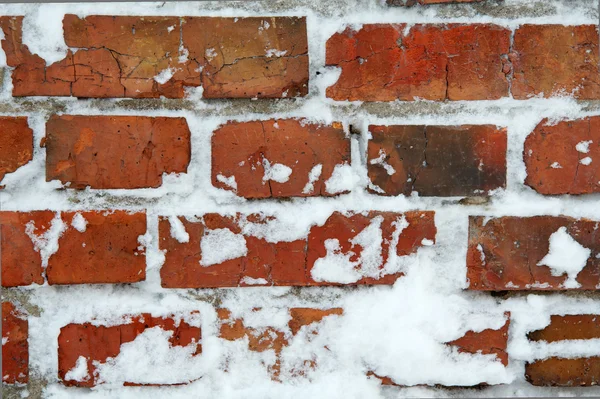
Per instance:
{"type": "Point", "coordinates": [504, 253]}
{"type": "Point", "coordinates": [486, 342]}
{"type": "Point", "coordinates": [434, 62]}
{"type": "Point", "coordinates": [564, 372]}
{"type": "Point", "coordinates": [242, 149]}
{"type": "Point", "coordinates": [112, 152]}
{"type": "Point", "coordinates": [554, 164]}
{"type": "Point", "coordinates": [437, 160]}
{"type": "Point", "coordinates": [15, 351]}
{"type": "Point", "coordinates": [580, 326]}
{"type": "Point", "coordinates": [98, 343]}
{"type": "Point", "coordinates": [550, 60]}
{"type": "Point", "coordinates": [16, 144]}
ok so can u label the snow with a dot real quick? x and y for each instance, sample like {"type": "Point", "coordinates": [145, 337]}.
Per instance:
{"type": "Point", "coordinates": [556, 165]}
{"type": "Point", "coordinates": [565, 256]}
{"type": "Point", "coordinates": [178, 230]}
{"type": "Point", "coordinates": [276, 172]}
{"type": "Point", "coordinates": [585, 161]}
{"type": "Point", "coordinates": [253, 281]}
{"type": "Point", "coordinates": [275, 53]}
{"type": "Point", "coordinates": [228, 181]}
{"type": "Point", "coordinates": [219, 245]}
{"type": "Point", "coordinates": [396, 330]}
{"type": "Point", "coordinates": [43, 32]}
{"type": "Point", "coordinates": [313, 177]}
{"type": "Point", "coordinates": [164, 76]}
{"type": "Point", "coordinates": [584, 146]}
{"type": "Point", "coordinates": [380, 160]}
{"type": "Point", "coordinates": [4, 340]}
{"type": "Point", "coordinates": [79, 223]}
{"type": "Point", "coordinates": [341, 180]}
{"type": "Point", "coordinates": [79, 372]}
{"type": "Point", "coordinates": [47, 243]}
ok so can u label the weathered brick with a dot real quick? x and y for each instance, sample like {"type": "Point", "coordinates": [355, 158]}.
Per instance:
{"type": "Point", "coordinates": [21, 262]}
{"type": "Point", "coordinates": [554, 59]}
{"type": "Point", "coordinates": [141, 57]}
{"type": "Point", "coordinates": [15, 347]}
{"type": "Point", "coordinates": [98, 343]}
{"type": "Point", "coordinates": [419, 231]}
{"type": "Point", "coordinates": [564, 372]}
{"type": "Point", "coordinates": [580, 326]}
{"type": "Point", "coordinates": [270, 338]}
{"type": "Point", "coordinates": [504, 253]}
{"type": "Point", "coordinates": [425, 2]}
{"type": "Point", "coordinates": [564, 158]}
{"type": "Point", "coordinates": [284, 263]}
{"type": "Point", "coordinates": [437, 160]}
{"type": "Point", "coordinates": [112, 152]}
{"type": "Point", "coordinates": [381, 62]}
{"type": "Point", "coordinates": [107, 251]}
{"type": "Point", "coordinates": [16, 144]}
{"type": "Point", "coordinates": [248, 151]}
{"type": "Point", "coordinates": [486, 342]}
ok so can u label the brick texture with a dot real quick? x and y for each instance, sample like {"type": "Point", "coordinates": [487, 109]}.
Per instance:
{"type": "Point", "coordinates": [120, 56]}
{"type": "Point", "coordinates": [433, 62]}
{"type": "Point", "coordinates": [105, 250]}
{"type": "Point", "coordinates": [282, 263]}
{"type": "Point", "coordinates": [564, 372]}
{"type": "Point", "coordinates": [113, 152]}
{"type": "Point", "coordinates": [16, 144]}
{"type": "Point", "coordinates": [581, 326]}
{"type": "Point", "coordinates": [99, 343]}
{"type": "Point", "coordinates": [556, 157]}
{"type": "Point", "coordinates": [248, 151]}
{"type": "Point", "coordinates": [15, 347]}
{"type": "Point", "coordinates": [504, 253]}
{"type": "Point", "coordinates": [437, 160]}
{"type": "Point", "coordinates": [426, 2]}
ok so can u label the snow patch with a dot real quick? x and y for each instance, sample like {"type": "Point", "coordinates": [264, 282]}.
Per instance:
{"type": "Point", "coordinates": [165, 75]}
{"type": "Point", "coordinates": [43, 32]}
{"type": "Point", "coordinates": [178, 230]}
{"type": "Point", "coordinates": [556, 165]}
{"type": "Point", "coordinates": [79, 223]}
{"type": "Point", "coordinates": [219, 245]}
{"type": "Point", "coordinates": [276, 172]}
{"type": "Point", "coordinates": [47, 243]}
{"type": "Point", "coordinates": [313, 177]}
{"type": "Point", "coordinates": [228, 181]}
{"type": "Point", "coordinates": [272, 52]}
{"type": "Point", "coordinates": [585, 161]}
{"type": "Point", "coordinates": [79, 372]}
{"type": "Point", "coordinates": [380, 160]}
{"type": "Point", "coordinates": [341, 180]}
{"type": "Point", "coordinates": [584, 146]}
{"type": "Point", "coordinates": [565, 256]}
{"type": "Point", "coordinates": [253, 281]}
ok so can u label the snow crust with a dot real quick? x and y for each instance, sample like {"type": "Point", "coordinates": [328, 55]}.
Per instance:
{"type": "Point", "coordinates": [219, 245]}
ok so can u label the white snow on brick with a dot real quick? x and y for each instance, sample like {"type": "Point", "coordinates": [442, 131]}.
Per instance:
{"type": "Point", "coordinates": [219, 245]}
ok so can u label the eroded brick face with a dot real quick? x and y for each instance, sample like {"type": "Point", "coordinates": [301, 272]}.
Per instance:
{"type": "Point", "coordinates": [285, 263]}
{"type": "Point", "coordinates": [504, 253]}
{"type": "Point", "coordinates": [112, 152]}
{"type": "Point", "coordinates": [248, 153]}
{"type": "Point", "coordinates": [16, 144]}
{"type": "Point", "coordinates": [97, 343]}
{"type": "Point", "coordinates": [486, 342]}
{"type": "Point", "coordinates": [434, 62]}
{"type": "Point", "coordinates": [149, 57]}
{"type": "Point", "coordinates": [581, 326]}
{"type": "Point", "coordinates": [563, 158]}
{"type": "Point", "coordinates": [15, 347]}
{"type": "Point", "coordinates": [436, 160]}
{"type": "Point", "coordinates": [554, 59]}
{"type": "Point", "coordinates": [564, 372]}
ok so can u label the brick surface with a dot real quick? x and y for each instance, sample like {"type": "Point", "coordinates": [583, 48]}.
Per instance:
{"type": "Point", "coordinates": [486, 342]}
{"type": "Point", "coordinates": [556, 157]}
{"type": "Point", "coordinates": [504, 253]}
{"type": "Point", "coordinates": [581, 326]}
{"type": "Point", "coordinates": [121, 56]}
{"type": "Point", "coordinates": [434, 62]}
{"type": "Point", "coordinates": [437, 160]}
{"type": "Point", "coordinates": [283, 263]}
{"type": "Point", "coordinates": [555, 59]}
{"type": "Point", "coordinates": [16, 144]}
{"type": "Point", "coordinates": [21, 262]}
{"type": "Point", "coordinates": [112, 152]}
{"type": "Point", "coordinates": [247, 151]}
{"type": "Point", "coordinates": [15, 347]}
{"type": "Point", "coordinates": [260, 340]}
{"type": "Point", "coordinates": [425, 2]}
{"type": "Point", "coordinates": [98, 343]}
{"type": "Point", "coordinates": [564, 372]}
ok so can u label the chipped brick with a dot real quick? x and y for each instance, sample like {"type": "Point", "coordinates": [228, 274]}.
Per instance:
{"type": "Point", "coordinates": [16, 144]}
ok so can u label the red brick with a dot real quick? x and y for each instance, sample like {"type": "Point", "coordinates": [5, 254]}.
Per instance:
{"type": "Point", "coordinates": [504, 252]}
{"type": "Point", "coordinates": [16, 144]}
{"type": "Point", "coordinates": [421, 227]}
{"type": "Point", "coordinates": [281, 263]}
{"type": "Point", "coordinates": [241, 150]}
{"type": "Point", "coordinates": [15, 351]}
{"type": "Point", "coordinates": [554, 163]}
{"type": "Point", "coordinates": [564, 372]}
{"type": "Point", "coordinates": [486, 342]}
{"type": "Point", "coordinates": [112, 152]}
{"type": "Point", "coordinates": [434, 62]}
{"type": "Point", "coordinates": [581, 326]}
{"type": "Point", "coordinates": [553, 59]}
{"type": "Point", "coordinates": [98, 343]}
{"type": "Point", "coordinates": [437, 160]}
{"type": "Point", "coordinates": [107, 252]}
{"type": "Point", "coordinates": [21, 262]}
{"type": "Point", "coordinates": [270, 338]}
{"type": "Point", "coordinates": [425, 2]}
{"type": "Point", "coordinates": [120, 56]}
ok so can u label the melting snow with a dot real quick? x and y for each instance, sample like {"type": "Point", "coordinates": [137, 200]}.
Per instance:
{"type": "Point", "coordinates": [220, 245]}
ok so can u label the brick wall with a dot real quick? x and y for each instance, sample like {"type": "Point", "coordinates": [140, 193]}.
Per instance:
{"type": "Point", "coordinates": [315, 200]}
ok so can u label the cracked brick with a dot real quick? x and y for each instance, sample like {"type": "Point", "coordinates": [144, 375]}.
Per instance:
{"type": "Point", "coordinates": [504, 253]}
{"type": "Point", "coordinates": [554, 161]}
{"type": "Point", "coordinates": [16, 144]}
{"type": "Point", "coordinates": [115, 152]}
{"type": "Point", "coordinates": [436, 160]}
{"type": "Point", "coordinates": [240, 150]}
